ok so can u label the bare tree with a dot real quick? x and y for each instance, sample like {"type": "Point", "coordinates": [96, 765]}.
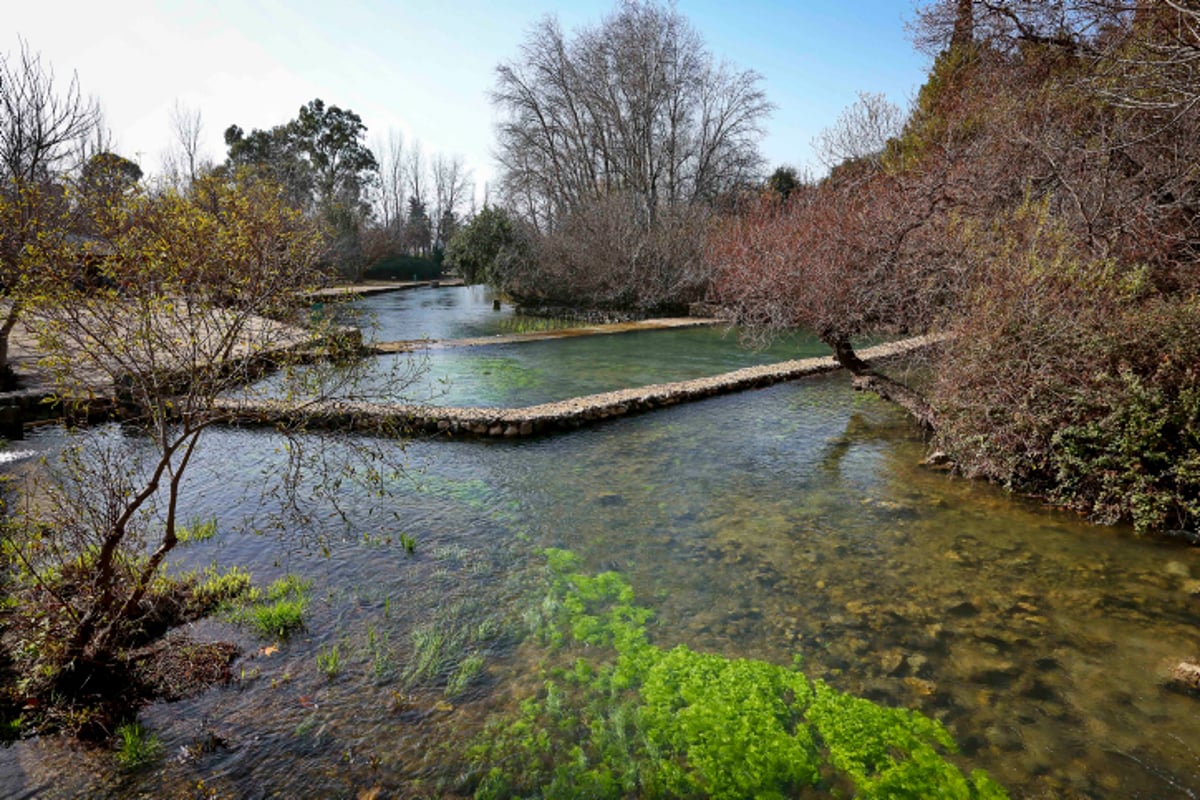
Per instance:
{"type": "Point", "coordinates": [1076, 25]}
{"type": "Point", "coordinates": [451, 187]}
{"type": "Point", "coordinates": [636, 104]}
{"type": "Point", "coordinates": [416, 173]}
{"type": "Point", "coordinates": [45, 130]}
{"type": "Point", "coordinates": [41, 124]}
{"type": "Point", "coordinates": [187, 126]}
{"type": "Point", "coordinates": [861, 131]}
{"type": "Point", "coordinates": [393, 181]}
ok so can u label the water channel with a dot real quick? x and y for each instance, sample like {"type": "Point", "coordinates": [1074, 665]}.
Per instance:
{"type": "Point", "coordinates": [790, 520]}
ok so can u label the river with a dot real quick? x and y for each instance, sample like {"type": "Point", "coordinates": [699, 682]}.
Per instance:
{"type": "Point", "coordinates": [790, 520]}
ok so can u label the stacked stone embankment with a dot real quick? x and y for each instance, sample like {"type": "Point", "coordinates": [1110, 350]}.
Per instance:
{"type": "Point", "coordinates": [545, 418]}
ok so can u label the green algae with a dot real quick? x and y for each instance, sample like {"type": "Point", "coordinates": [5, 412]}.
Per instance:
{"type": "Point", "coordinates": [629, 718]}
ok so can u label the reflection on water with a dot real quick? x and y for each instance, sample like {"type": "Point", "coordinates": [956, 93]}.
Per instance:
{"type": "Point", "coordinates": [791, 519]}
{"type": "Point", "coordinates": [540, 372]}
{"type": "Point", "coordinates": [451, 312]}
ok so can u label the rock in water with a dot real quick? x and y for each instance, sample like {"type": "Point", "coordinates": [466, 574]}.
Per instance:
{"type": "Point", "coordinates": [1185, 677]}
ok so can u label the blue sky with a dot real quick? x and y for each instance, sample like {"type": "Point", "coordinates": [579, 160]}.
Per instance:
{"type": "Point", "coordinates": [424, 69]}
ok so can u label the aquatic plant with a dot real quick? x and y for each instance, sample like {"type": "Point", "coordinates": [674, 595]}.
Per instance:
{"type": "Point", "coordinates": [137, 748]}
{"type": "Point", "coordinates": [628, 718]}
{"type": "Point", "coordinates": [434, 649]}
{"type": "Point", "coordinates": [464, 675]}
{"type": "Point", "coordinates": [379, 651]}
{"type": "Point", "coordinates": [277, 612]}
{"type": "Point", "coordinates": [197, 530]}
{"type": "Point", "coordinates": [216, 587]}
{"type": "Point", "coordinates": [329, 662]}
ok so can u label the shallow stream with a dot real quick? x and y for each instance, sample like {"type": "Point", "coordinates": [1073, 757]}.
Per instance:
{"type": "Point", "coordinates": [791, 520]}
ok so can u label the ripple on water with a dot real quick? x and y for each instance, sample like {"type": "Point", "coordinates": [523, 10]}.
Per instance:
{"type": "Point", "coordinates": [782, 521]}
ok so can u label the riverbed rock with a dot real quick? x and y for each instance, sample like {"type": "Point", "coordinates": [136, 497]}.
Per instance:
{"type": "Point", "coordinates": [920, 686]}
{"type": "Point", "coordinates": [893, 663]}
{"type": "Point", "coordinates": [1184, 677]}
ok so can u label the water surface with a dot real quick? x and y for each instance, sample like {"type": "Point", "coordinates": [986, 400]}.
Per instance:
{"type": "Point", "coordinates": [788, 520]}
{"type": "Point", "coordinates": [529, 373]}
{"type": "Point", "coordinates": [445, 312]}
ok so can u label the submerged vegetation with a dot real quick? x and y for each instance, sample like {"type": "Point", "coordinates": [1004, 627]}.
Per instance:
{"type": "Point", "coordinates": [618, 716]}
{"type": "Point", "coordinates": [279, 611]}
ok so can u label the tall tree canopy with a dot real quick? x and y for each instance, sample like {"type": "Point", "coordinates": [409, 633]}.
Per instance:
{"type": "Point", "coordinates": [320, 157]}
{"type": "Point", "coordinates": [321, 160]}
{"type": "Point", "coordinates": [634, 104]}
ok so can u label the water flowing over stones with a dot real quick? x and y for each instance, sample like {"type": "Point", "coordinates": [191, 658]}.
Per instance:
{"type": "Point", "coordinates": [544, 418]}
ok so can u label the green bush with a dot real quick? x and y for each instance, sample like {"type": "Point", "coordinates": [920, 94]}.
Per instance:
{"type": "Point", "coordinates": [1140, 457]}
{"type": "Point", "coordinates": [1075, 379]}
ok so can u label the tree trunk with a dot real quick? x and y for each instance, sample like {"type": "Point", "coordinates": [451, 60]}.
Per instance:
{"type": "Point", "coordinates": [867, 379]}
{"type": "Point", "coordinates": [6, 328]}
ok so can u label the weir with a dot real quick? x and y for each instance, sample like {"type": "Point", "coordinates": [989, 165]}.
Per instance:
{"type": "Point", "coordinates": [544, 418]}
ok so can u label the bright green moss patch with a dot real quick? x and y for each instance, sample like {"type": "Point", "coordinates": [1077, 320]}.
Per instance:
{"type": "Point", "coordinates": [631, 719]}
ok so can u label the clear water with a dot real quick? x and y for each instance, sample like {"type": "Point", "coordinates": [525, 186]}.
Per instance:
{"type": "Point", "coordinates": [763, 524]}
{"type": "Point", "coordinates": [529, 373]}
{"type": "Point", "coordinates": [449, 312]}
{"type": "Point", "coordinates": [546, 371]}
{"type": "Point", "coordinates": [788, 520]}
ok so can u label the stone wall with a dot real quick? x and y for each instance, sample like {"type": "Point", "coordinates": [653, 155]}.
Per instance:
{"type": "Point", "coordinates": [546, 418]}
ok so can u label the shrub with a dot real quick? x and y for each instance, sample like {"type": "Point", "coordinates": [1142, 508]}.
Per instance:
{"type": "Point", "coordinates": [1073, 378]}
